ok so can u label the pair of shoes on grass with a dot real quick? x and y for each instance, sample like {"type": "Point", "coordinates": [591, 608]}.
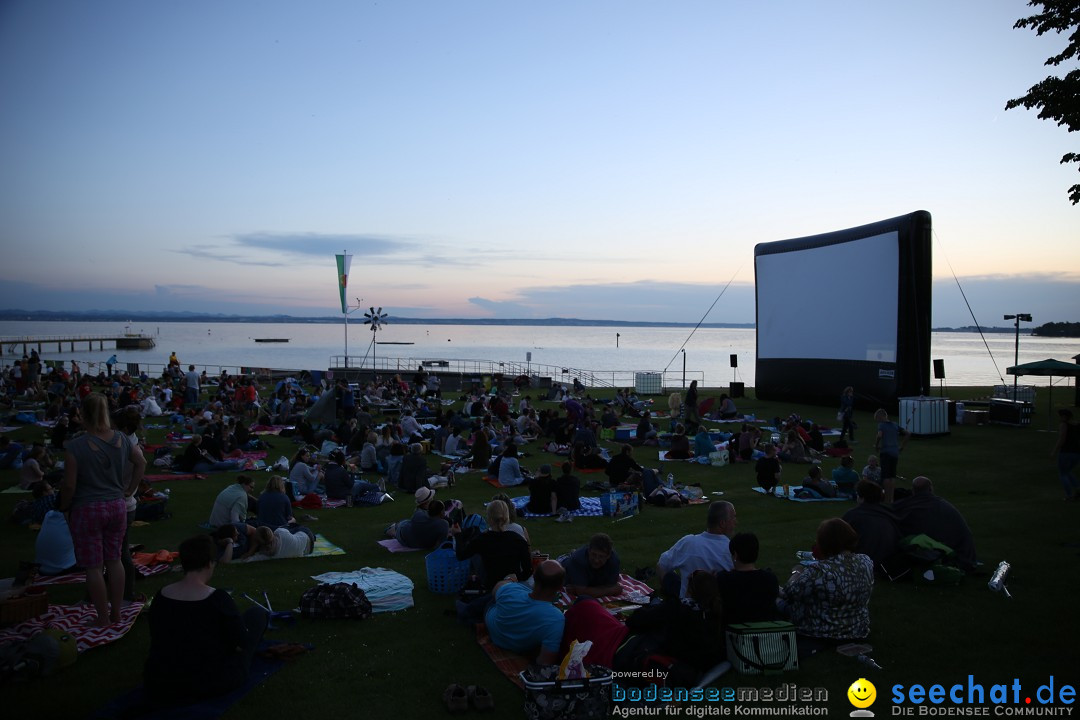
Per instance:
{"type": "Point", "coordinates": [458, 698]}
{"type": "Point", "coordinates": [564, 516]}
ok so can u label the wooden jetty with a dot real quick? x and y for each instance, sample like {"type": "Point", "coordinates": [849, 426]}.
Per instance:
{"type": "Point", "coordinates": [122, 341]}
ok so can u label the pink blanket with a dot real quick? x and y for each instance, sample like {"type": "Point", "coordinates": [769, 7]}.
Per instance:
{"type": "Point", "coordinates": [71, 619]}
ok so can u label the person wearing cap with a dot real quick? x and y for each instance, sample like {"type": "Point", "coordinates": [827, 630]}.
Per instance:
{"type": "Point", "coordinates": [427, 527]}
{"type": "Point", "coordinates": [542, 498]}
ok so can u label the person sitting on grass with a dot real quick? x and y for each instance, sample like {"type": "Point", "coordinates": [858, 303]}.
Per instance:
{"type": "Point", "coordinates": [523, 620]}
{"type": "Point", "coordinates": [304, 473]}
{"type": "Point", "coordinates": [646, 431]}
{"type": "Point", "coordinates": [512, 513]}
{"type": "Point", "coordinates": [620, 467]}
{"type": "Point", "coordinates": [768, 469]}
{"type": "Point", "coordinates": [828, 601]}
{"type": "Point", "coordinates": [510, 472]}
{"type": "Point", "coordinates": [414, 470]}
{"type": "Point", "coordinates": [427, 527]}
{"type": "Point", "coordinates": [749, 437]}
{"type": "Point", "coordinates": [234, 503]}
{"type": "Point", "coordinates": [747, 593]}
{"type": "Point", "coordinates": [875, 523]}
{"type": "Point", "coordinates": [703, 444]}
{"type": "Point", "coordinates": [500, 552]}
{"type": "Point", "coordinates": [274, 508]}
{"type": "Point", "coordinates": [200, 644]}
{"type": "Point", "coordinates": [567, 492]}
{"type": "Point", "coordinates": [925, 513]}
{"type": "Point", "coordinates": [680, 444]}
{"type": "Point", "coordinates": [794, 450]}
{"type": "Point", "coordinates": [197, 460]}
{"type": "Point", "coordinates": [872, 470]}
{"type": "Point", "coordinates": [815, 486]}
{"type": "Point", "coordinates": [593, 569]}
{"type": "Point", "coordinates": [845, 478]}
{"type": "Point", "coordinates": [542, 496]}
{"type": "Point", "coordinates": [705, 551]}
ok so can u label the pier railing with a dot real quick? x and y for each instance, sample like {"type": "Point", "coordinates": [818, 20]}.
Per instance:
{"type": "Point", "coordinates": [466, 370]}
{"type": "Point", "coordinates": [511, 369]}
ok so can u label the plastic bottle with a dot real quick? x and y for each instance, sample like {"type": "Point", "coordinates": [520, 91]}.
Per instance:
{"type": "Point", "coordinates": [868, 661]}
{"type": "Point", "coordinates": [801, 555]}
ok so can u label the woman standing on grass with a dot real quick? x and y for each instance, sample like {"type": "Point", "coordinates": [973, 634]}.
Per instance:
{"type": "Point", "coordinates": [1068, 453]}
{"type": "Point", "coordinates": [94, 492]}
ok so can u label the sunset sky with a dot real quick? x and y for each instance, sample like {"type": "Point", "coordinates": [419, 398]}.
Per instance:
{"type": "Point", "coordinates": [604, 160]}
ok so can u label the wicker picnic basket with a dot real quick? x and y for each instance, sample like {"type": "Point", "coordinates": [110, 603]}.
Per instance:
{"type": "Point", "coordinates": [29, 605]}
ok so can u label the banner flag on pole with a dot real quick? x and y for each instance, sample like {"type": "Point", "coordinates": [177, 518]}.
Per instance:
{"type": "Point", "coordinates": [343, 264]}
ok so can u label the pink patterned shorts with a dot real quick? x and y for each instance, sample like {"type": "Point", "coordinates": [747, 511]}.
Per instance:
{"type": "Point", "coordinates": [97, 529]}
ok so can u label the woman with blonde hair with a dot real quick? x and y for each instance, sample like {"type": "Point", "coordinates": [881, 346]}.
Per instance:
{"type": "Point", "coordinates": [501, 552]}
{"type": "Point", "coordinates": [94, 491]}
{"type": "Point", "coordinates": [274, 508]}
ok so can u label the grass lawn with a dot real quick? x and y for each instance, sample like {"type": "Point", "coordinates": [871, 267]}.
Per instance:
{"type": "Point", "coordinates": [396, 665]}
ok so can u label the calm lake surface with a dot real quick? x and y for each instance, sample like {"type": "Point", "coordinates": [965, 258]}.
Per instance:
{"type": "Point", "coordinates": [589, 348]}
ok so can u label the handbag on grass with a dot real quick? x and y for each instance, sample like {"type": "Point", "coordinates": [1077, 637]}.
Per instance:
{"type": "Point", "coordinates": [762, 647]}
{"type": "Point", "coordinates": [548, 698]}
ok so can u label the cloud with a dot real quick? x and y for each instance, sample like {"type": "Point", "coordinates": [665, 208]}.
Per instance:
{"type": "Point", "coordinates": [325, 245]}
{"type": "Point", "coordinates": [644, 300]}
{"type": "Point", "coordinates": [209, 252]}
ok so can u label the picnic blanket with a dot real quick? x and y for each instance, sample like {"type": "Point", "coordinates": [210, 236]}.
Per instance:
{"type": "Point", "coordinates": [323, 547]}
{"type": "Point", "coordinates": [270, 429]}
{"type": "Point", "coordinates": [590, 507]}
{"type": "Point", "coordinates": [71, 618]}
{"type": "Point", "coordinates": [146, 566]}
{"type": "Point", "coordinates": [15, 490]}
{"type": "Point", "coordinates": [394, 546]}
{"type": "Point", "coordinates": [633, 591]}
{"type": "Point", "coordinates": [509, 664]}
{"type": "Point", "coordinates": [131, 703]}
{"type": "Point", "coordinates": [312, 501]}
{"type": "Point", "coordinates": [387, 590]}
{"type": "Point", "coordinates": [778, 491]}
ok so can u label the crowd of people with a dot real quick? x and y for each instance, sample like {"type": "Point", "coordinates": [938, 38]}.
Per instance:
{"type": "Point", "coordinates": [707, 580]}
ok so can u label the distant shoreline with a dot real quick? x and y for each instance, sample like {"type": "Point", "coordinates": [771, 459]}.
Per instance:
{"type": "Point", "coordinates": [116, 316]}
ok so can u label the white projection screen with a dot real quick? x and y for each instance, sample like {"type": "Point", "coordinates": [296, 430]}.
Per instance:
{"type": "Point", "coordinates": [850, 307]}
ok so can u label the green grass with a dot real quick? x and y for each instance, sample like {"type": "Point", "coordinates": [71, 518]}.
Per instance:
{"type": "Point", "coordinates": [397, 665]}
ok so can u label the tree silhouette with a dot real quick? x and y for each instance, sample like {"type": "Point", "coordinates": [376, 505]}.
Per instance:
{"type": "Point", "coordinates": [1057, 98]}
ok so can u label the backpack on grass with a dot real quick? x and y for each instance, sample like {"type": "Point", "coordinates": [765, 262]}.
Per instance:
{"type": "Point", "coordinates": [335, 600]}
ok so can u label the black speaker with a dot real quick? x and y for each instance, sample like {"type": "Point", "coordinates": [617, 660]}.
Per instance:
{"type": "Point", "coordinates": [738, 389]}
{"type": "Point", "coordinates": [939, 369]}
{"type": "Point", "coordinates": [734, 360]}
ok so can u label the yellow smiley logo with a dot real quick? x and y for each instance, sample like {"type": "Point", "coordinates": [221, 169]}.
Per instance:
{"type": "Point", "coordinates": [862, 693]}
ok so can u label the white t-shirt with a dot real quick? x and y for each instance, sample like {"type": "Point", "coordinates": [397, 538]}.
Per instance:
{"type": "Point", "coordinates": [292, 544]}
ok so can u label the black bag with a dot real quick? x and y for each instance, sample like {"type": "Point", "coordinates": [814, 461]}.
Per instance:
{"type": "Point", "coordinates": [335, 600]}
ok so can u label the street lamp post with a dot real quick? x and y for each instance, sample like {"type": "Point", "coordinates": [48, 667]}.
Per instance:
{"type": "Point", "coordinates": [684, 368]}
{"type": "Point", "coordinates": [1016, 353]}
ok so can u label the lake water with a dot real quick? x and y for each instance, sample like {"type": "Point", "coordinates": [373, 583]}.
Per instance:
{"type": "Point", "coordinates": [591, 348]}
